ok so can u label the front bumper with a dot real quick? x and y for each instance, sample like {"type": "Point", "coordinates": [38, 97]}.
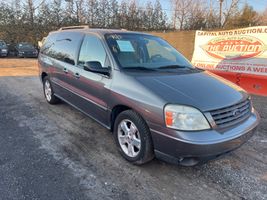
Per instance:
{"type": "Point", "coordinates": [3, 54]}
{"type": "Point", "coordinates": [177, 146]}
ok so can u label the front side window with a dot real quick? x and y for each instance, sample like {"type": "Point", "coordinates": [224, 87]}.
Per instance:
{"type": "Point", "coordinates": [92, 50]}
{"type": "Point", "coordinates": [144, 51]}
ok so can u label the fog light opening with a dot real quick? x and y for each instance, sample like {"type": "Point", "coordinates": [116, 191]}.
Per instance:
{"type": "Point", "coordinates": [188, 161]}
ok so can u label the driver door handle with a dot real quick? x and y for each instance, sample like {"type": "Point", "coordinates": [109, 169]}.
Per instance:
{"type": "Point", "coordinates": [77, 75]}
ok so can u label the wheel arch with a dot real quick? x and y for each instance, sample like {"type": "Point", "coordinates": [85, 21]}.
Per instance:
{"type": "Point", "coordinates": [147, 151]}
{"type": "Point", "coordinates": [116, 110]}
{"type": "Point", "coordinates": [43, 75]}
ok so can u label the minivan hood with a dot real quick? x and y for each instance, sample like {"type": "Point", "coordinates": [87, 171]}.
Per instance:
{"type": "Point", "coordinates": [204, 90]}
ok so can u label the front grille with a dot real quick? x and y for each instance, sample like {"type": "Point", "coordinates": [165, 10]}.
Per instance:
{"type": "Point", "coordinates": [232, 115]}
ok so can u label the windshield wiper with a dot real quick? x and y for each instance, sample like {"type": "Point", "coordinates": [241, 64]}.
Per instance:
{"type": "Point", "coordinates": [139, 68]}
{"type": "Point", "coordinates": [173, 67]}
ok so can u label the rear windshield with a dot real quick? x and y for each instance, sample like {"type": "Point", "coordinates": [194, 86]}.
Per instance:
{"type": "Point", "coordinates": [145, 51]}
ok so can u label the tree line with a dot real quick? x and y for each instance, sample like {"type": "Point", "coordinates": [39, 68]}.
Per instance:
{"type": "Point", "coordinates": [215, 14]}
{"type": "Point", "coordinates": [31, 20]}
{"type": "Point", "coordinates": [22, 20]}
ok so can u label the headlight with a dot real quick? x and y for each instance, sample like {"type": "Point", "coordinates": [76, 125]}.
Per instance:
{"type": "Point", "coordinates": [4, 50]}
{"type": "Point", "coordinates": [21, 52]}
{"type": "Point", "coordinates": [185, 118]}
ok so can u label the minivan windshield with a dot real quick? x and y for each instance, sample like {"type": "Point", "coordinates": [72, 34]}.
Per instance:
{"type": "Point", "coordinates": [145, 52]}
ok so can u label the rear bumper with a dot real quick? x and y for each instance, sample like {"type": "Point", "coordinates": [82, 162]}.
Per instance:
{"type": "Point", "coordinates": [176, 146]}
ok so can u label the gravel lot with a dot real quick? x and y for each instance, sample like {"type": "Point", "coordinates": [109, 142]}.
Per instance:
{"type": "Point", "coordinates": [56, 152]}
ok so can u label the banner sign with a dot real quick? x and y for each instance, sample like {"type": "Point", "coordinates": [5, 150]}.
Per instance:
{"type": "Point", "coordinates": [238, 51]}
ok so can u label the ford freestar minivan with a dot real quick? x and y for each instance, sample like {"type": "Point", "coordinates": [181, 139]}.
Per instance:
{"type": "Point", "coordinates": [143, 90]}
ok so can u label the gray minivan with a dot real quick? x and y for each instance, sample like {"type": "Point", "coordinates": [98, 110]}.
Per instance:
{"type": "Point", "coordinates": [145, 92]}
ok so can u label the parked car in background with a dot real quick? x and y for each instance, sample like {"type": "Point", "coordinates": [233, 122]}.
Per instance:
{"type": "Point", "coordinates": [25, 50]}
{"type": "Point", "coordinates": [143, 90]}
{"type": "Point", "coordinates": [3, 49]}
{"type": "Point", "coordinates": [40, 43]}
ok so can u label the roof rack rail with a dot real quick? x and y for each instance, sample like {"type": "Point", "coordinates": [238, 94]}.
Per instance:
{"type": "Point", "coordinates": [74, 27]}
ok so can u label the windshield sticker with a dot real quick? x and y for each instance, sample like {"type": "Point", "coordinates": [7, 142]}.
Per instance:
{"type": "Point", "coordinates": [125, 46]}
{"type": "Point", "coordinates": [116, 37]}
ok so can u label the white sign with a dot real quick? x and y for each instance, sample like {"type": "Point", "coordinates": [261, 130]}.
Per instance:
{"type": "Point", "coordinates": [238, 51]}
{"type": "Point", "coordinates": [125, 46]}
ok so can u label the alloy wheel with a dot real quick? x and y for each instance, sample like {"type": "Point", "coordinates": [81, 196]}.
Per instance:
{"type": "Point", "coordinates": [48, 90]}
{"type": "Point", "coordinates": [129, 138]}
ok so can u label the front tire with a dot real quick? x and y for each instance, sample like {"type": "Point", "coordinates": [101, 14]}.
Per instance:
{"type": "Point", "coordinates": [133, 138]}
{"type": "Point", "coordinates": [49, 92]}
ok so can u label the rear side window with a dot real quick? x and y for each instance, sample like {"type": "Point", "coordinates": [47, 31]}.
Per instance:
{"type": "Point", "coordinates": [63, 46]}
{"type": "Point", "coordinates": [48, 45]}
{"type": "Point", "coordinates": [92, 50]}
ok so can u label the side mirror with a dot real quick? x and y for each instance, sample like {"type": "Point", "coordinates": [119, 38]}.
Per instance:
{"type": "Point", "coordinates": [95, 66]}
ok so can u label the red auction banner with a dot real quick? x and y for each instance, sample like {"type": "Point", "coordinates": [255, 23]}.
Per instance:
{"type": "Point", "coordinates": [238, 55]}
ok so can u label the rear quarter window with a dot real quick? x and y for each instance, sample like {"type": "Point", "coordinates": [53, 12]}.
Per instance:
{"type": "Point", "coordinates": [47, 47]}
{"type": "Point", "coordinates": [63, 46]}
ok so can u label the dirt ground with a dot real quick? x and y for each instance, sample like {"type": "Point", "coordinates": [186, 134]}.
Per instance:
{"type": "Point", "coordinates": [88, 152]}
{"type": "Point", "coordinates": [18, 67]}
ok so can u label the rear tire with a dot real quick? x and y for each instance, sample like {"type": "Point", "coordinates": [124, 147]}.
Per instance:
{"type": "Point", "coordinates": [133, 138]}
{"type": "Point", "coordinates": [49, 92]}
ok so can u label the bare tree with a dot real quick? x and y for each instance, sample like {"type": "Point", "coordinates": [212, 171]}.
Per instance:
{"type": "Point", "coordinates": [148, 15]}
{"type": "Point", "coordinates": [263, 18]}
{"type": "Point", "coordinates": [114, 18]}
{"type": "Point", "coordinates": [104, 13]}
{"type": "Point", "coordinates": [92, 11]}
{"type": "Point", "coordinates": [230, 8]}
{"type": "Point", "coordinates": [123, 14]}
{"type": "Point", "coordinates": [181, 11]}
{"type": "Point", "coordinates": [198, 17]}
{"type": "Point", "coordinates": [37, 18]}
{"type": "Point", "coordinates": [133, 15]}
{"type": "Point", "coordinates": [30, 10]}
{"type": "Point", "coordinates": [80, 11]}
{"type": "Point", "coordinates": [159, 19]}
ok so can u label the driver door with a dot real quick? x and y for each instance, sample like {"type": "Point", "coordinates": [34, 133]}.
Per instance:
{"type": "Point", "coordinates": [93, 89]}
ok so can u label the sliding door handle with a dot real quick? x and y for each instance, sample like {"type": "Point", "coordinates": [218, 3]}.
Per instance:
{"type": "Point", "coordinates": [65, 70]}
{"type": "Point", "coordinates": [77, 75]}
